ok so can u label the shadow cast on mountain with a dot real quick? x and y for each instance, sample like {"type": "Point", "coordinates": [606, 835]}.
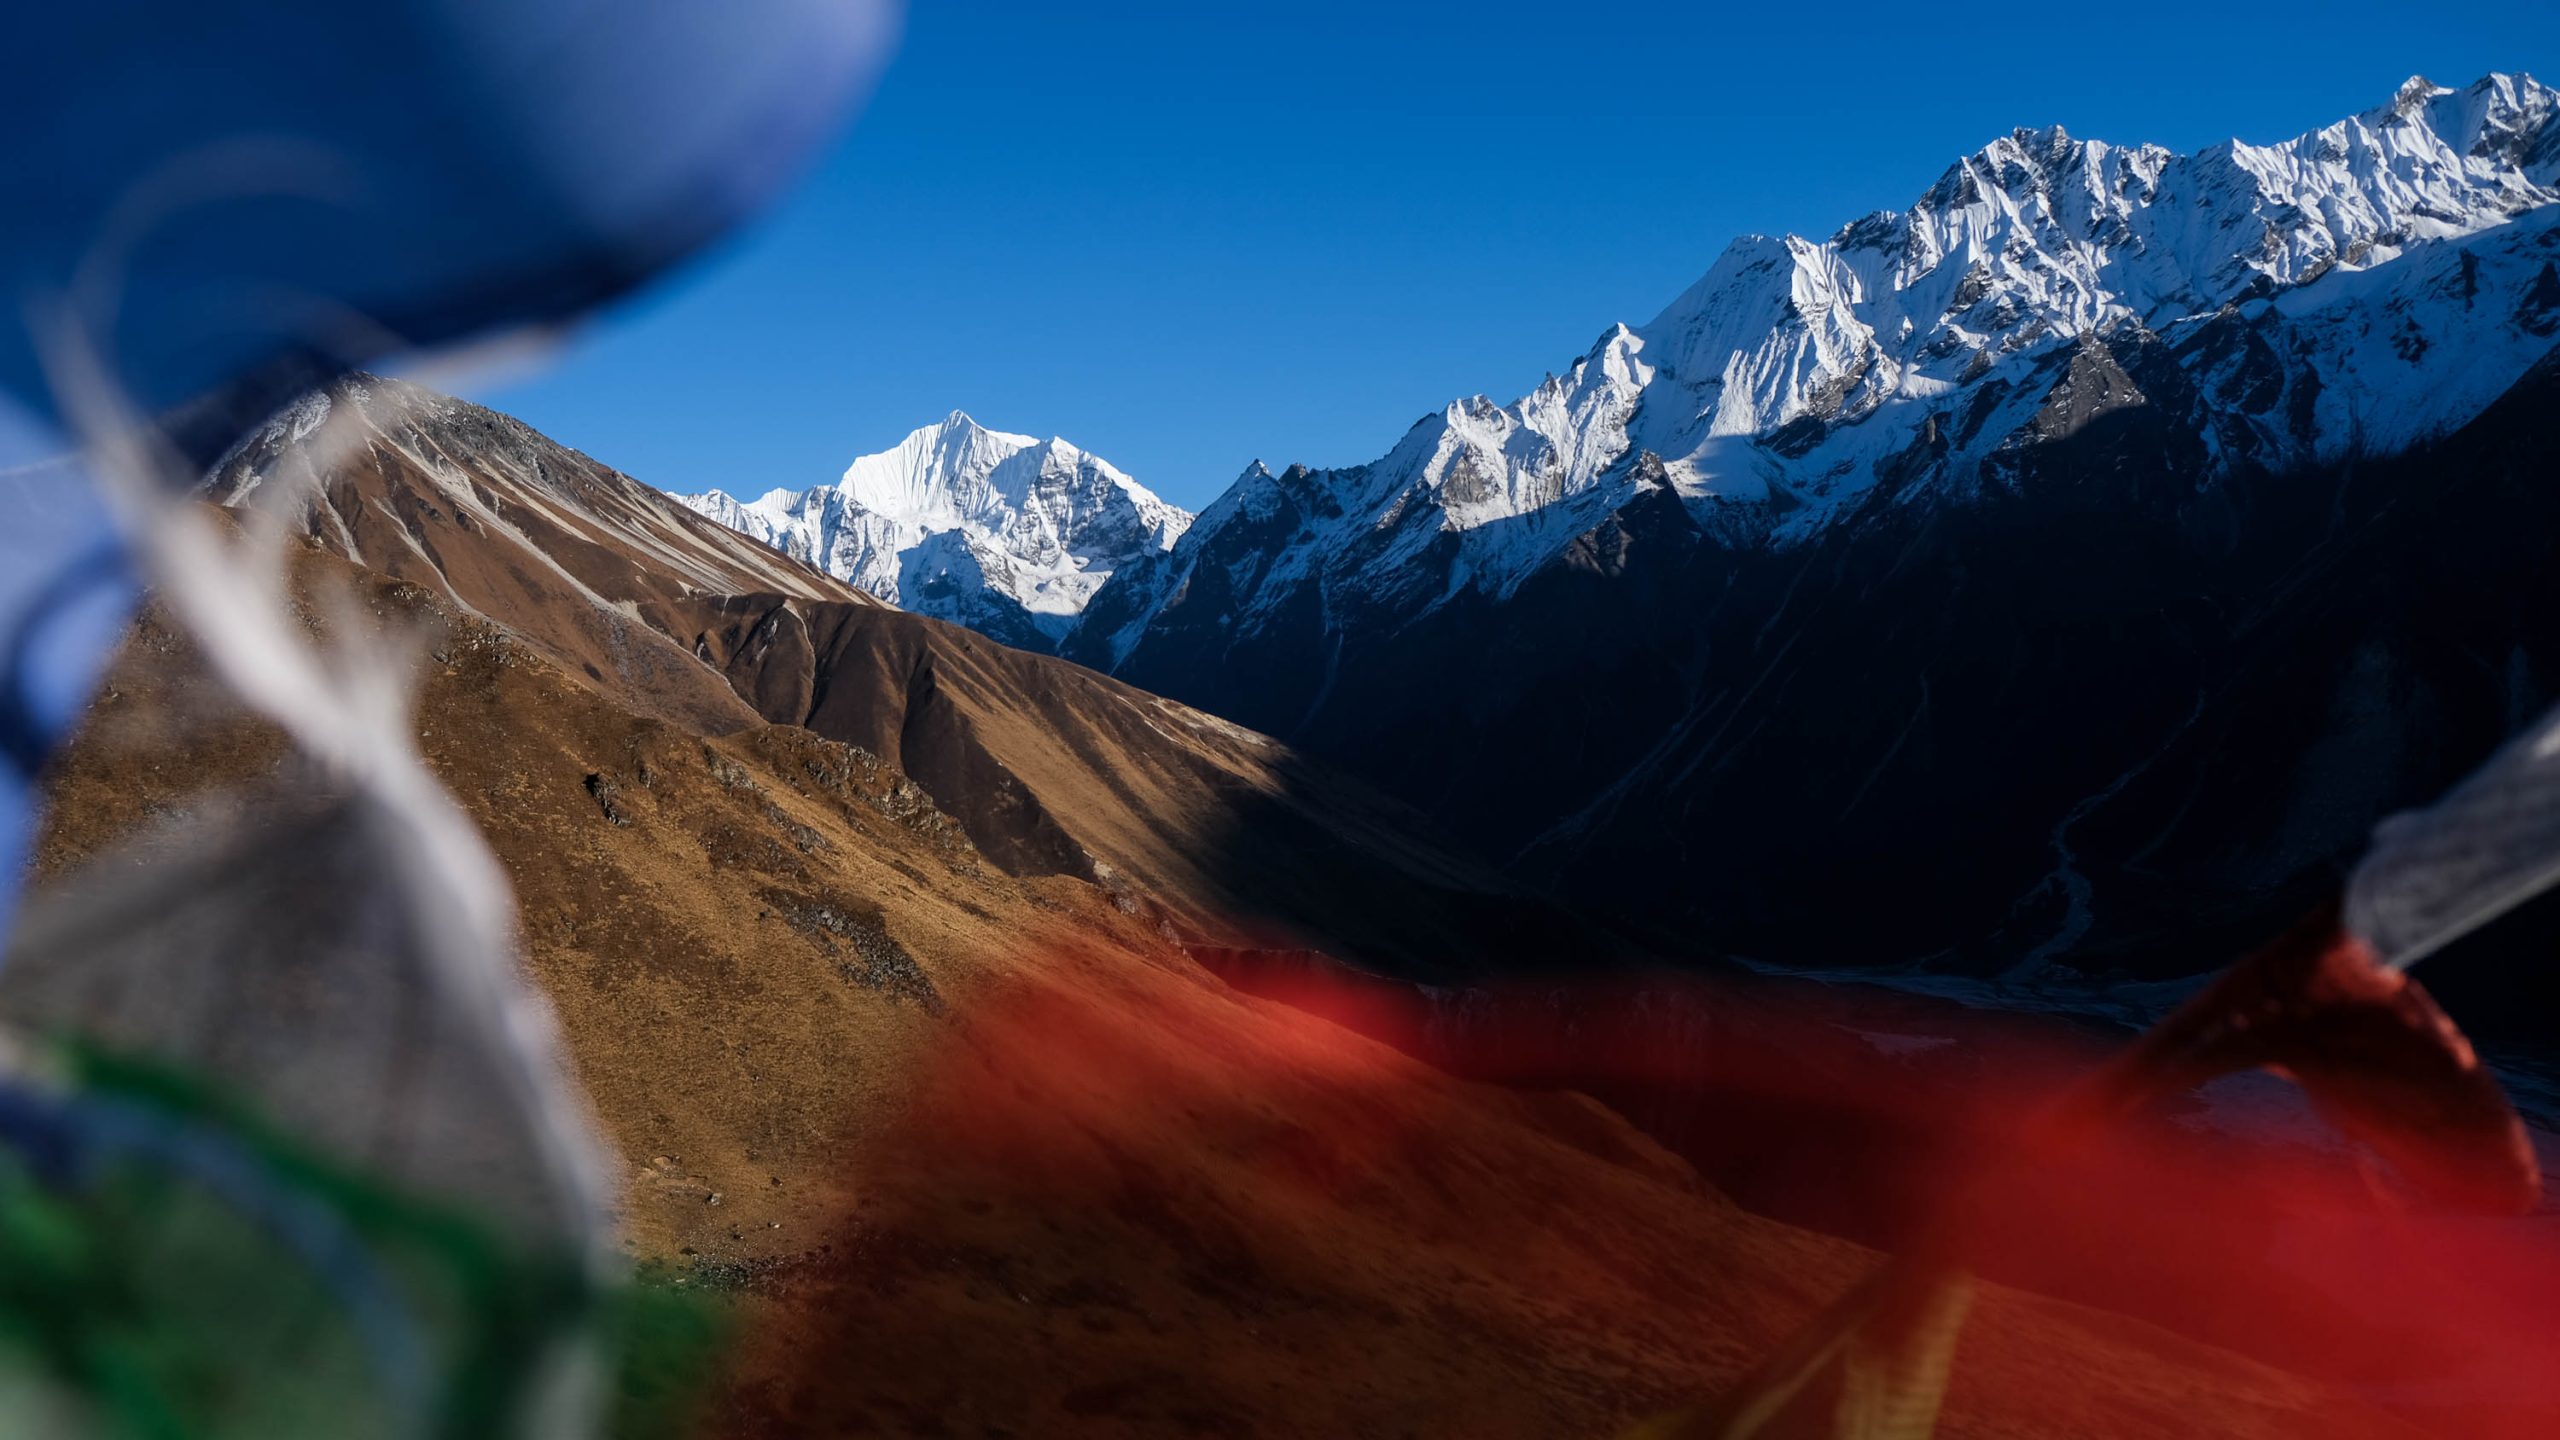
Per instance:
{"type": "Point", "coordinates": [2095, 720]}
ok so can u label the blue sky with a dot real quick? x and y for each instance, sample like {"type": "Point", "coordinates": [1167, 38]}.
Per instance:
{"type": "Point", "coordinates": [1186, 236]}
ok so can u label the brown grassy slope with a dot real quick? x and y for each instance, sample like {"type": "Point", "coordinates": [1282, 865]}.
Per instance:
{"type": "Point", "coordinates": [993, 1159]}
{"type": "Point", "coordinates": [709, 917]}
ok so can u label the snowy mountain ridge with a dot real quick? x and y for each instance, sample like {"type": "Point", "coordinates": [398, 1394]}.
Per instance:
{"type": "Point", "coordinates": [2370, 277]}
{"type": "Point", "coordinates": [1008, 534]}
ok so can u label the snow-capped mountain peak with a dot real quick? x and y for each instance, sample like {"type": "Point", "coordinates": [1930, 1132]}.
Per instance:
{"type": "Point", "coordinates": [1005, 533]}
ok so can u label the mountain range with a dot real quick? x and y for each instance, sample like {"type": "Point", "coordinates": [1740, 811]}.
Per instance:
{"type": "Point", "coordinates": [1224, 837]}
{"type": "Point", "coordinates": [2354, 290]}
{"type": "Point", "coordinates": [2071, 563]}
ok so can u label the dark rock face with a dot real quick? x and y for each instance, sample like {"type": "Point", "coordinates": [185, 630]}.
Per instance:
{"type": "Point", "coordinates": [2120, 709]}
